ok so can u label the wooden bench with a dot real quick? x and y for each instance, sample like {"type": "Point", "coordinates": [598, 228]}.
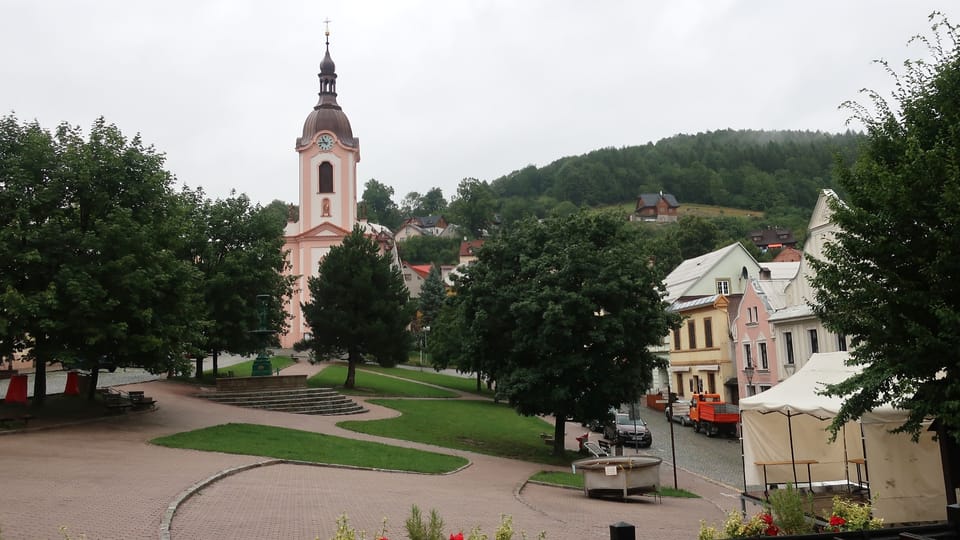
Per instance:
{"type": "Point", "coordinates": [7, 422]}
{"type": "Point", "coordinates": [547, 439]}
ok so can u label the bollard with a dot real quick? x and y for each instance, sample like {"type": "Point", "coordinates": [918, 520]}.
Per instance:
{"type": "Point", "coordinates": [622, 531]}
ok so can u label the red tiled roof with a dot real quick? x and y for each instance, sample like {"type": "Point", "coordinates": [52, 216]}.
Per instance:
{"type": "Point", "coordinates": [789, 255]}
{"type": "Point", "coordinates": [467, 248]}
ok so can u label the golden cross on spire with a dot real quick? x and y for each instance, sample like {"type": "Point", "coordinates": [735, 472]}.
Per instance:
{"type": "Point", "coordinates": [327, 31]}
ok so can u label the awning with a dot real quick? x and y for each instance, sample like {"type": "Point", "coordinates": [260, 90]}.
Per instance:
{"type": "Point", "coordinates": [679, 369]}
{"type": "Point", "coordinates": [713, 367]}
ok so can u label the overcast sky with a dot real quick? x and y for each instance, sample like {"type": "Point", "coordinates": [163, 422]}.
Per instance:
{"type": "Point", "coordinates": [441, 90]}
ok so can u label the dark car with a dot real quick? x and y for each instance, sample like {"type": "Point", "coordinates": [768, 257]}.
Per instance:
{"type": "Point", "coordinates": [626, 430]}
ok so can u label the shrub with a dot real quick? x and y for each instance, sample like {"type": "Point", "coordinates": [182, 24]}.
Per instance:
{"type": "Point", "coordinates": [851, 516]}
{"type": "Point", "coordinates": [789, 508]}
{"type": "Point", "coordinates": [418, 530]}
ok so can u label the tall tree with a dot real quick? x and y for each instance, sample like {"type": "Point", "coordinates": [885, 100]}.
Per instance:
{"type": "Point", "coordinates": [571, 306]}
{"type": "Point", "coordinates": [359, 306]}
{"type": "Point", "coordinates": [891, 279]}
{"type": "Point", "coordinates": [432, 203]}
{"type": "Point", "coordinates": [474, 206]}
{"type": "Point", "coordinates": [381, 209]}
{"type": "Point", "coordinates": [431, 296]}
{"type": "Point", "coordinates": [238, 248]}
{"type": "Point", "coordinates": [90, 244]}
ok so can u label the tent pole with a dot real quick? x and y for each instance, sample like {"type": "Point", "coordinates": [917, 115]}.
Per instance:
{"type": "Point", "coordinates": [793, 457]}
{"type": "Point", "coordinates": [743, 467]}
{"type": "Point", "coordinates": [846, 458]}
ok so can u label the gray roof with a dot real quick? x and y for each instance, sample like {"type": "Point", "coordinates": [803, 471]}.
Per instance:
{"type": "Point", "coordinates": [691, 304]}
{"type": "Point", "coordinates": [651, 199]}
{"type": "Point", "coordinates": [691, 270]}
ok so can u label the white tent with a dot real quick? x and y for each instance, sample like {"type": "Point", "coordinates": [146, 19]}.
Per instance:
{"type": "Point", "coordinates": [786, 427]}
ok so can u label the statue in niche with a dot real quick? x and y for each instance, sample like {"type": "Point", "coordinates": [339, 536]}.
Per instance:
{"type": "Point", "coordinates": [325, 208]}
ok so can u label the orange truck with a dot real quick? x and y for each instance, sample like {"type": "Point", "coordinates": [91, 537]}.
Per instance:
{"type": "Point", "coordinates": [709, 414]}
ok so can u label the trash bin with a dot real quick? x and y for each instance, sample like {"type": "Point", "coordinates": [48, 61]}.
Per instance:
{"type": "Point", "coordinates": [618, 450]}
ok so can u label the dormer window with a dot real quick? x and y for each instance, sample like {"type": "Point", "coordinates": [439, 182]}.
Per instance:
{"type": "Point", "coordinates": [723, 287]}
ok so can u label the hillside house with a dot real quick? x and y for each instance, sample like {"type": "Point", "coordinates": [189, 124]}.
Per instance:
{"type": "Point", "coordinates": [658, 207]}
{"type": "Point", "coordinates": [773, 238]}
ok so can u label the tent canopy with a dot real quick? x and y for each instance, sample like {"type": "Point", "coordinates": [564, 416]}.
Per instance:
{"type": "Point", "coordinates": [905, 478]}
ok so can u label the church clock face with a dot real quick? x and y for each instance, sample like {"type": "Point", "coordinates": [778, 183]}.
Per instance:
{"type": "Point", "coordinates": [325, 142]}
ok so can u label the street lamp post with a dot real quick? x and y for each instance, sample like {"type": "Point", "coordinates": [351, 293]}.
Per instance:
{"type": "Point", "coordinates": [748, 372]}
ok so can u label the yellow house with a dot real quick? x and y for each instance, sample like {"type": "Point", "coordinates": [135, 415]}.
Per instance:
{"type": "Point", "coordinates": [700, 353]}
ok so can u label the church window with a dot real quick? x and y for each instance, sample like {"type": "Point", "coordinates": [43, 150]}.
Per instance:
{"type": "Point", "coordinates": [326, 177]}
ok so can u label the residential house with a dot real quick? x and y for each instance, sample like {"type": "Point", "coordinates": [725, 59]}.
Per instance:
{"type": "Point", "coordinates": [468, 249]}
{"type": "Point", "coordinates": [773, 238]}
{"type": "Point", "coordinates": [725, 272]}
{"type": "Point", "coordinates": [659, 207]}
{"type": "Point", "coordinates": [788, 255]}
{"type": "Point", "coordinates": [413, 277]}
{"type": "Point", "coordinates": [408, 230]}
{"type": "Point", "coordinates": [700, 357]}
{"type": "Point", "coordinates": [433, 225]}
{"type": "Point", "coordinates": [755, 352]}
{"type": "Point", "coordinates": [799, 333]}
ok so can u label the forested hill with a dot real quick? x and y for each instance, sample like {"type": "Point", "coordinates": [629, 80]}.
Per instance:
{"type": "Point", "coordinates": [757, 170]}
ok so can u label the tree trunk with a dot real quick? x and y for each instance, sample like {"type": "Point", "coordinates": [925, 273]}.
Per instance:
{"type": "Point", "coordinates": [94, 379]}
{"type": "Point", "coordinates": [352, 358]}
{"type": "Point", "coordinates": [478, 381]}
{"type": "Point", "coordinates": [559, 432]}
{"type": "Point", "coordinates": [213, 358]}
{"type": "Point", "coordinates": [199, 374]}
{"type": "Point", "coordinates": [39, 375]}
{"type": "Point", "coordinates": [92, 383]}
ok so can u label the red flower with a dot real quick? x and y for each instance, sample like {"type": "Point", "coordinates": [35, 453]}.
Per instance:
{"type": "Point", "coordinates": [836, 522]}
{"type": "Point", "coordinates": [458, 536]}
{"type": "Point", "coordinates": [772, 530]}
{"type": "Point", "coordinates": [766, 518]}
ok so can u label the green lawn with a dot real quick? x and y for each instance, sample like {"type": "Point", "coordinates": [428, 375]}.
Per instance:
{"type": "Point", "coordinates": [478, 426]}
{"type": "Point", "coordinates": [283, 443]}
{"type": "Point", "coordinates": [566, 479]}
{"type": "Point", "coordinates": [369, 383]}
{"type": "Point", "coordinates": [430, 376]}
{"type": "Point", "coordinates": [243, 369]}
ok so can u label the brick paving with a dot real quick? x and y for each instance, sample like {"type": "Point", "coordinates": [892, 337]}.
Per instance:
{"type": "Point", "coordinates": [105, 481]}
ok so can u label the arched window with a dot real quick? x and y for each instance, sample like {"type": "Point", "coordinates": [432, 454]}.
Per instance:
{"type": "Point", "coordinates": [326, 177]}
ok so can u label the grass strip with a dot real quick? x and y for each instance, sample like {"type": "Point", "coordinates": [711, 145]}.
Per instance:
{"type": "Point", "coordinates": [475, 425]}
{"type": "Point", "coordinates": [373, 384]}
{"type": "Point", "coordinates": [430, 376]}
{"type": "Point", "coordinates": [566, 479]}
{"type": "Point", "coordinates": [285, 443]}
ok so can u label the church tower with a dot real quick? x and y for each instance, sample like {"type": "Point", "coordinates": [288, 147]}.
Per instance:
{"type": "Point", "coordinates": [328, 155]}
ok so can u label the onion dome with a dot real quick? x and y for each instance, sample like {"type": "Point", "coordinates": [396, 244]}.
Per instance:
{"type": "Point", "coordinates": [327, 114]}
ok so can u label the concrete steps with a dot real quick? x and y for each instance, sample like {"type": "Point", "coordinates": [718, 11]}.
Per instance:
{"type": "Point", "coordinates": [320, 401]}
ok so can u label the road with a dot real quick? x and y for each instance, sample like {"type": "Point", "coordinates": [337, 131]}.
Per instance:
{"type": "Point", "coordinates": [717, 458]}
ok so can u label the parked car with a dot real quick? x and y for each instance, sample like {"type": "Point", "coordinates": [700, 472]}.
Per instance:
{"type": "Point", "coordinates": [626, 430]}
{"type": "Point", "coordinates": [597, 425]}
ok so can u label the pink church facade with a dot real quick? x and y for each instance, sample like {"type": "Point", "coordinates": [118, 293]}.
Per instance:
{"type": "Point", "coordinates": [328, 157]}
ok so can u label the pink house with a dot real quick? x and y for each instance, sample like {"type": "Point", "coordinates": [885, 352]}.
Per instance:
{"type": "Point", "coordinates": [754, 344]}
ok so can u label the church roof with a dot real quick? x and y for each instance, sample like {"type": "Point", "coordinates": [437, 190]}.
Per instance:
{"type": "Point", "coordinates": [327, 114]}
